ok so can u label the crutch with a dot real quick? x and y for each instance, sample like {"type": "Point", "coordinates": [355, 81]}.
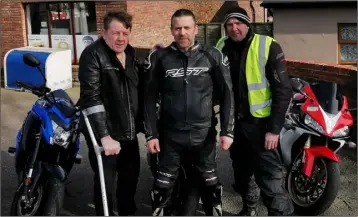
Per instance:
{"type": "Point", "coordinates": [98, 149]}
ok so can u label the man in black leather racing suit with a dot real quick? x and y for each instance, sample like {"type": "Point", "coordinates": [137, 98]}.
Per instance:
{"type": "Point", "coordinates": [186, 74]}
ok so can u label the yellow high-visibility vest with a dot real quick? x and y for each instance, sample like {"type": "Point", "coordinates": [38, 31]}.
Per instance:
{"type": "Point", "coordinates": [259, 92]}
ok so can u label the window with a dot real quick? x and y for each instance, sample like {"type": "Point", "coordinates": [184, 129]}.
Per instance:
{"type": "Point", "coordinates": [347, 43]}
{"type": "Point", "coordinates": [62, 25]}
{"type": "Point", "coordinates": [209, 34]}
{"type": "Point", "coordinates": [37, 25]}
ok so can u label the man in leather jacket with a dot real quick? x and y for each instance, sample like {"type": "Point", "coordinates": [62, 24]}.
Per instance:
{"type": "Point", "coordinates": [109, 76]}
{"type": "Point", "coordinates": [185, 75]}
{"type": "Point", "coordinates": [254, 154]}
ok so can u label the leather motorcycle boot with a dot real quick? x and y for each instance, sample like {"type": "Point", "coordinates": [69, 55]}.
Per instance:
{"type": "Point", "coordinates": [249, 211]}
{"type": "Point", "coordinates": [213, 201]}
{"type": "Point", "coordinates": [160, 203]}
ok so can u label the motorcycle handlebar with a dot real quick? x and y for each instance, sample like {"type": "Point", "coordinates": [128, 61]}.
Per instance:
{"type": "Point", "coordinates": [24, 85]}
{"type": "Point", "coordinates": [37, 90]}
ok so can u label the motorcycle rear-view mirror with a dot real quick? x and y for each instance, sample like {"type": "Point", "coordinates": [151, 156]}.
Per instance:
{"type": "Point", "coordinates": [30, 60]}
{"type": "Point", "coordinates": [297, 87]}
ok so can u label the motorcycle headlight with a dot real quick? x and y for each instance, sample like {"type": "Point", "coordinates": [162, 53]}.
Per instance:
{"type": "Point", "coordinates": [342, 132]}
{"type": "Point", "coordinates": [313, 124]}
{"type": "Point", "coordinates": [60, 136]}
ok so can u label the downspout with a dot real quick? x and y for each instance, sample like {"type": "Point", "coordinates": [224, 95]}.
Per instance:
{"type": "Point", "coordinates": [253, 11]}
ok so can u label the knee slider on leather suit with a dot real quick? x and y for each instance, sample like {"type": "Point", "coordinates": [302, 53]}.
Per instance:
{"type": "Point", "coordinates": [210, 178]}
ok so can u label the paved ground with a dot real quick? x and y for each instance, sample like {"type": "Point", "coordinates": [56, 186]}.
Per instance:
{"type": "Point", "coordinates": [14, 106]}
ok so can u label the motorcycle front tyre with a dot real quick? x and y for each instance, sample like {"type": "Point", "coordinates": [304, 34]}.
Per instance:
{"type": "Point", "coordinates": [50, 196]}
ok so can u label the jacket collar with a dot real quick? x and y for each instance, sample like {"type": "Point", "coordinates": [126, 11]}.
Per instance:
{"type": "Point", "coordinates": [131, 58]}
{"type": "Point", "coordinates": [192, 50]}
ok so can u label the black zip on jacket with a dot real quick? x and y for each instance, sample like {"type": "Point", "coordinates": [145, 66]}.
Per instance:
{"type": "Point", "coordinates": [276, 74]}
{"type": "Point", "coordinates": [186, 83]}
{"type": "Point", "coordinates": [110, 94]}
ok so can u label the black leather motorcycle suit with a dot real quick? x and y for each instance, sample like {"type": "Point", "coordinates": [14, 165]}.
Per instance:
{"type": "Point", "coordinates": [186, 83]}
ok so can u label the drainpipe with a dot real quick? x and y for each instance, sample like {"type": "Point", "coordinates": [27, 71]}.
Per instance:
{"type": "Point", "coordinates": [253, 11]}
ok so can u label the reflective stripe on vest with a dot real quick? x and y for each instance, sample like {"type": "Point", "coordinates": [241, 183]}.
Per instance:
{"type": "Point", "coordinates": [221, 43]}
{"type": "Point", "coordinates": [259, 93]}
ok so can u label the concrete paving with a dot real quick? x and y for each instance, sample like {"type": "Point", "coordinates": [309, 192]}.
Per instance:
{"type": "Point", "coordinates": [14, 107]}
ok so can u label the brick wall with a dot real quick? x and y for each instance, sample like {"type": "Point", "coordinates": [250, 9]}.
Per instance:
{"type": "Point", "coordinates": [101, 9]}
{"type": "Point", "coordinates": [13, 27]}
{"type": "Point", "coordinates": [152, 19]}
{"type": "Point", "coordinates": [151, 22]}
{"type": "Point", "coordinates": [344, 75]}
{"type": "Point", "coordinates": [205, 11]}
{"type": "Point", "coordinates": [259, 11]}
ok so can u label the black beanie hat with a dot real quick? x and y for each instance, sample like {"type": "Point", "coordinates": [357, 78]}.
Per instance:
{"type": "Point", "coordinates": [239, 13]}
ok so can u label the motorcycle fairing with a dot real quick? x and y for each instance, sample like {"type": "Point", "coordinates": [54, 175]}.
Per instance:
{"type": "Point", "coordinates": [312, 153]}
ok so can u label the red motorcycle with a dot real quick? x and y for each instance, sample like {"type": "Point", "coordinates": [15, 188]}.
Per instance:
{"type": "Point", "coordinates": [318, 124]}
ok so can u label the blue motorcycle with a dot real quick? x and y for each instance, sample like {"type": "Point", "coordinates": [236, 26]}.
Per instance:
{"type": "Point", "coordinates": [46, 149]}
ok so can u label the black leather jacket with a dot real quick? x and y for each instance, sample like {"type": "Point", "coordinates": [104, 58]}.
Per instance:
{"type": "Point", "coordinates": [186, 82]}
{"type": "Point", "coordinates": [109, 93]}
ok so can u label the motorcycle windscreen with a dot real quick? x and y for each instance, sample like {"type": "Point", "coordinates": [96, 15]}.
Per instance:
{"type": "Point", "coordinates": [328, 95]}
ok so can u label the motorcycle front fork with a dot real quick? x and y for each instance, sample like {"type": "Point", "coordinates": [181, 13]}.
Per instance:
{"type": "Point", "coordinates": [27, 179]}
{"type": "Point", "coordinates": [307, 145]}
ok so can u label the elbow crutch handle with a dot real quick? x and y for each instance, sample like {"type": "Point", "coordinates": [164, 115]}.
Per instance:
{"type": "Point", "coordinates": [98, 149]}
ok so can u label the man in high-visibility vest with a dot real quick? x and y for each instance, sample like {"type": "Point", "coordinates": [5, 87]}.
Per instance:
{"type": "Point", "coordinates": [262, 92]}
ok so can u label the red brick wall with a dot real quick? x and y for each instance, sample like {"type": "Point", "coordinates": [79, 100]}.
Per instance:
{"type": "Point", "coordinates": [343, 74]}
{"type": "Point", "coordinates": [205, 11]}
{"type": "Point", "coordinates": [152, 19]}
{"type": "Point", "coordinates": [103, 6]}
{"type": "Point", "coordinates": [214, 11]}
{"type": "Point", "coordinates": [13, 27]}
{"type": "Point", "coordinates": [259, 11]}
{"type": "Point", "coordinates": [151, 22]}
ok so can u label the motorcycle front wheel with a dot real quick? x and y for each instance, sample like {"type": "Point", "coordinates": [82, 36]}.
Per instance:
{"type": "Point", "coordinates": [313, 195]}
{"type": "Point", "coordinates": [47, 200]}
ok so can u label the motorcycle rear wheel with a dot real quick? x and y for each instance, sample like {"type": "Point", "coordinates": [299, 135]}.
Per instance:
{"type": "Point", "coordinates": [47, 200]}
{"type": "Point", "coordinates": [302, 189]}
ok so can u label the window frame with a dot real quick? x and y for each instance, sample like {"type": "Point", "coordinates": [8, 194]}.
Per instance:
{"type": "Point", "coordinates": [75, 59]}
{"type": "Point", "coordinates": [222, 30]}
{"type": "Point", "coordinates": [340, 41]}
